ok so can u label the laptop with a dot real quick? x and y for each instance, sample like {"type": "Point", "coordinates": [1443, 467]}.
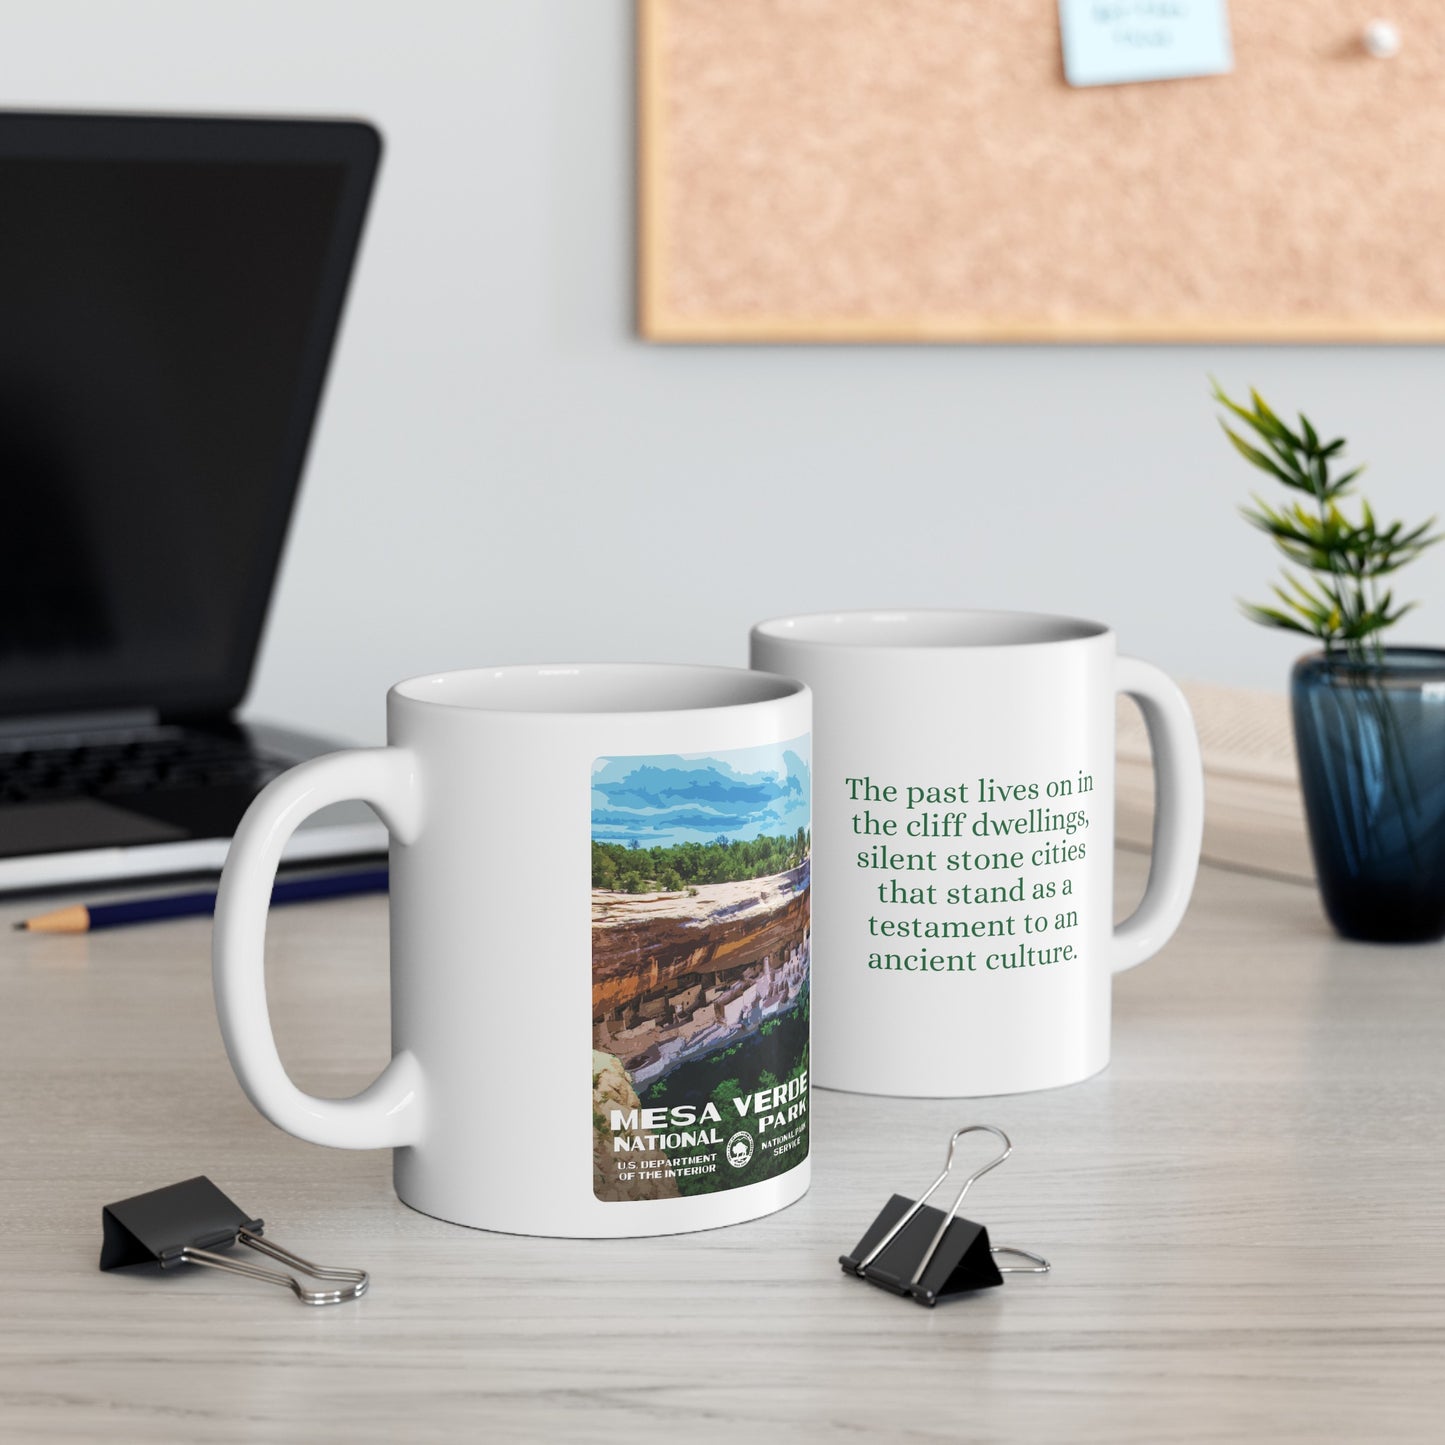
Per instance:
{"type": "Point", "coordinates": [170, 290]}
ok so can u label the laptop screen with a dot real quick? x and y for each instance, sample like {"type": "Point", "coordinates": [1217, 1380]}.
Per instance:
{"type": "Point", "coordinates": [169, 291]}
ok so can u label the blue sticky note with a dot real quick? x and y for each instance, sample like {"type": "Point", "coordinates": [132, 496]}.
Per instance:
{"type": "Point", "coordinates": [1109, 42]}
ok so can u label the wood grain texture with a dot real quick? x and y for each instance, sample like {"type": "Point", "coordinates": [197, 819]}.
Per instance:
{"type": "Point", "coordinates": [1246, 1216]}
{"type": "Point", "coordinates": [919, 170]}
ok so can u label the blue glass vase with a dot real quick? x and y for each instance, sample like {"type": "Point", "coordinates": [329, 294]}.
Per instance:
{"type": "Point", "coordinates": [1371, 743]}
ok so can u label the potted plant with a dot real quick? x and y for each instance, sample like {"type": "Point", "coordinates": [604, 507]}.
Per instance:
{"type": "Point", "coordinates": [1369, 719]}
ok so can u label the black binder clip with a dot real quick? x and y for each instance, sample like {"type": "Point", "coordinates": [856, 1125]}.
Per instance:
{"type": "Point", "coordinates": [187, 1223]}
{"type": "Point", "coordinates": [913, 1249]}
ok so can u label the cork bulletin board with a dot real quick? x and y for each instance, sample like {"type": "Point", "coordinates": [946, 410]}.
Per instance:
{"type": "Point", "coordinates": [919, 170]}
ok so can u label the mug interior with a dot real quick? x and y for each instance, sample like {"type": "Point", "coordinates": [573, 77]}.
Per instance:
{"type": "Point", "coordinates": [597, 687]}
{"type": "Point", "coordinates": [930, 628]}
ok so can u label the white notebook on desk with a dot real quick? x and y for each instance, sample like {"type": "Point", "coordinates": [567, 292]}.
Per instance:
{"type": "Point", "coordinates": [1253, 813]}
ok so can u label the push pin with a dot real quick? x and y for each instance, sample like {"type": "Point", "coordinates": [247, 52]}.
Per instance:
{"type": "Point", "coordinates": [187, 1223]}
{"type": "Point", "coordinates": [1381, 39]}
{"type": "Point", "coordinates": [916, 1250]}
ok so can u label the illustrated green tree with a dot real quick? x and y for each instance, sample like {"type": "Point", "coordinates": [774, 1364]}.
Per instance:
{"type": "Point", "coordinates": [689, 864]}
{"type": "Point", "coordinates": [604, 867]}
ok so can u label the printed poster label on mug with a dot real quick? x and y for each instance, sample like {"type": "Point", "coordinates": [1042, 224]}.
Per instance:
{"type": "Point", "coordinates": [700, 969]}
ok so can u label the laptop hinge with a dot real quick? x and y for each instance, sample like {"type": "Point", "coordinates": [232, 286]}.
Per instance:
{"type": "Point", "coordinates": [78, 722]}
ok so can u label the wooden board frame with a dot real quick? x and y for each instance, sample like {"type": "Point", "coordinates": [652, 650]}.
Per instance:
{"type": "Point", "coordinates": [659, 320]}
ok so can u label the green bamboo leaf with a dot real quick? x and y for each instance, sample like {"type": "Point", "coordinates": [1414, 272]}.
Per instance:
{"type": "Point", "coordinates": [1268, 617]}
{"type": "Point", "coordinates": [1224, 399]}
{"type": "Point", "coordinates": [1264, 423]}
{"type": "Point", "coordinates": [1411, 539]}
{"type": "Point", "coordinates": [1321, 600]}
{"type": "Point", "coordinates": [1257, 458]}
{"type": "Point", "coordinates": [1368, 625]}
{"type": "Point", "coordinates": [1305, 605]}
{"type": "Point", "coordinates": [1271, 423]}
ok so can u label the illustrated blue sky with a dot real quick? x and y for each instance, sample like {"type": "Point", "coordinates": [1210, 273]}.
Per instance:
{"type": "Point", "coordinates": [741, 793]}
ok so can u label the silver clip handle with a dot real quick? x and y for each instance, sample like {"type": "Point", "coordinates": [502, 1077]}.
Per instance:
{"type": "Point", "coordinates": [356, 1280]}
{"type": "Point", "coordinates": [923, 1198]}
{"type": "Point", "coordinates": [1040, 1264]}
{"type": "Point", "coordinates": [993, 1163]}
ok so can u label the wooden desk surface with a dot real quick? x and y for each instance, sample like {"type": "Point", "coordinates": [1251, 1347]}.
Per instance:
{"type": "Point", "coordinates": [1246, 1216]}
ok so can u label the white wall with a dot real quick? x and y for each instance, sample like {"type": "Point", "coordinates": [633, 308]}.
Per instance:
{"type": "Point", "coordinates": [503, 472]}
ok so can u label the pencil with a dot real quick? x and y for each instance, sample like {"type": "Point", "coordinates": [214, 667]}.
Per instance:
{"type": "Point", "coordinates": [80, 918]}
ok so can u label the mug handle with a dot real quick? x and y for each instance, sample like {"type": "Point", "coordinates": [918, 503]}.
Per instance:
{"type": "Point", "coordinates": [391, 1111]}
{"type": "Point", "coordinates": [1178, 812]}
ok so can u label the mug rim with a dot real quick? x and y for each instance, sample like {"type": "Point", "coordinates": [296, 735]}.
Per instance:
{"type": "Point", "coordinates": [765, 688]}
{"type": "Point", "coordinates": [1056, 629]}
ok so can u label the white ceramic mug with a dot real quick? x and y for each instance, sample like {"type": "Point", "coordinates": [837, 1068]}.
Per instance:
{"type": "Point", "coordinates": [964, 799]}
{"type": "Point", "coordinates": [624, 1059]}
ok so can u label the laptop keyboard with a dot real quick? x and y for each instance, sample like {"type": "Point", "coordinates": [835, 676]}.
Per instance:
{"type": "Point", "coordinates": [158, 760]}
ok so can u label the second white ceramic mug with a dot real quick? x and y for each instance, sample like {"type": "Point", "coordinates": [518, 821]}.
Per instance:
{"type": "Point", "coordinates": [964, 843]}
